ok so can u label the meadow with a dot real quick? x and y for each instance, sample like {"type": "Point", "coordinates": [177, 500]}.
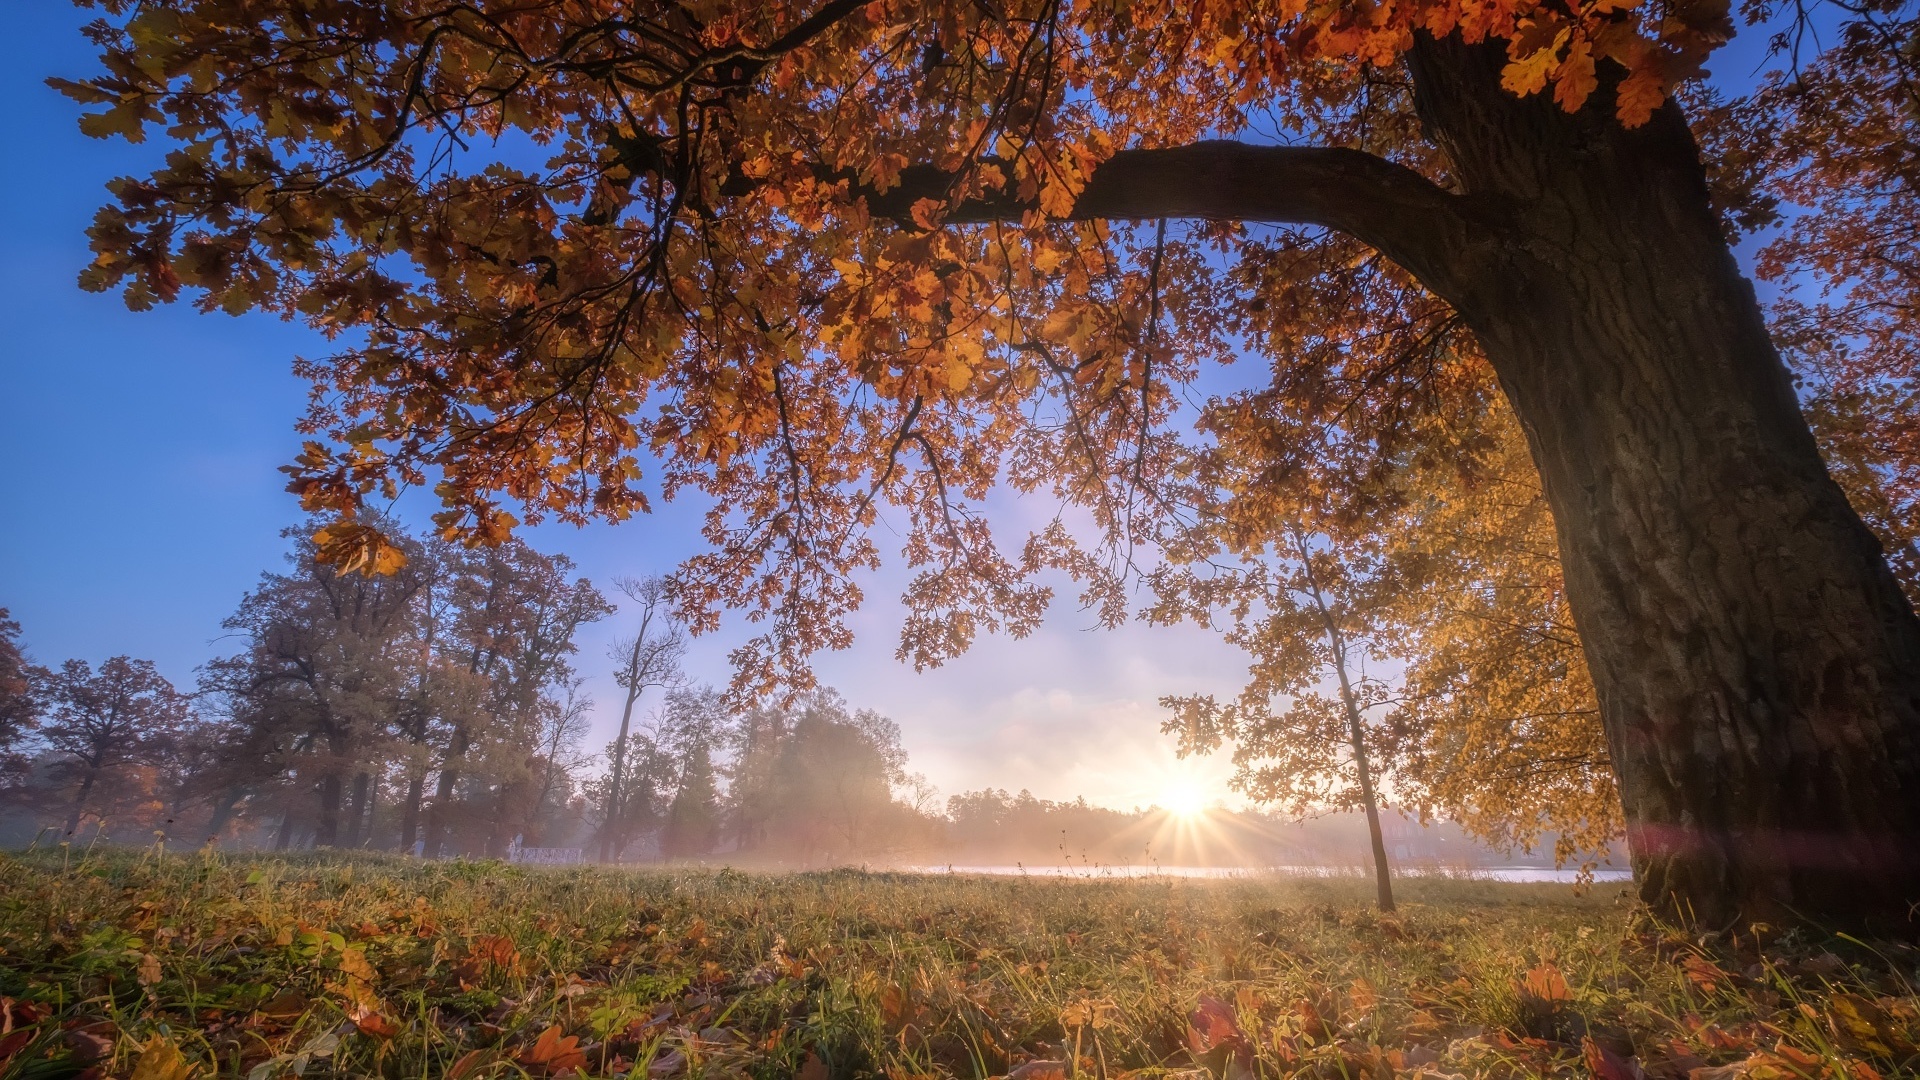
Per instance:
{"type": "Point", "coordinates": [164, 967]}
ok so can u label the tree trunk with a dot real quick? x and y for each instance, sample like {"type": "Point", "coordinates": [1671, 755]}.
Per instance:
{"type": "Point", "coordinates": [358, 827]}
{"type": "Point", "coordinates": [79, 807]}
{"type": "Point", "coordinates": [410, 813]}
{"type": "Point", "coordinates": [443, 795]}
{"type": "Point", "coordinates": [223, 812]}
{"type": "Point", "coordinates": [612, 840]}
{"type": "Point", "coordinates": [327, 832]}
{"type": "Point", "coordinates": [1356, 727]}
{"type": "Point", "coordinates": [1758, 668]}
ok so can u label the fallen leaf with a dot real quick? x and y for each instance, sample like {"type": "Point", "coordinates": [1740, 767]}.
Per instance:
{"type": "Point", "coordinates": [554, 1052]}
{"type": "Point", "coordinates": [1607, 1065]}
{"type": "Point", "coordinates": [373, 1023]}
{"type": "Point", "coordinates": [468, 1062]}
{"type": "Point", "coordinates": [92, 1042]}
{"type": "Point", "coordinates": [287, 1003]}
{"type": "Point", "coordinates": [1040, 1070]}
{"type": "Point", "coordinates": [161, 1060]}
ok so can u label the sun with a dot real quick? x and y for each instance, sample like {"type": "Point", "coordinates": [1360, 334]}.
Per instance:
{"type": "Point", "coordinates": [1183, 800]}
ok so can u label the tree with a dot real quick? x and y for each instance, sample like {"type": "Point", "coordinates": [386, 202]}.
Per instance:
{"type": "Point", "coordinates": [354, 688]}
{"type": "Point", "coordinates": [817, 779]}
{"type": "Point", "coordinates": [692, 825]}
{"type": "Point", "coordinates": [19, 704]}
{"type": "Point", "coordinates": [325, 668]}
{"type": "Point", "coordinates": [1313, 754]}
{"type": "Point", "coordinates": [650, 660]}
{"type": "Point", "coordinates": [102, 724]}
{"type": "Point", "coordinates": [821, 256]}
{"type": "Point", "coordinates": [514, 614]}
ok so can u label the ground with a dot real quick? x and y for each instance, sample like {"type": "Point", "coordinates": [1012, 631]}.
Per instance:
{"type": "Point", "coordinates": [160, 967]}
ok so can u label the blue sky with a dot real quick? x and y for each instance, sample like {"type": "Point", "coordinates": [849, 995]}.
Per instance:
{"type": "Point", "coordinates": [140, 499]}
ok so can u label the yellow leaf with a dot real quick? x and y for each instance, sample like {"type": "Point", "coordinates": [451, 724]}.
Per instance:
{"type": "Point", "coordinates": [354, 963]}
{"type": "Point", "coordinates": [161, 1060]}
{"type": "Point", "coordinates": [1527, 73]}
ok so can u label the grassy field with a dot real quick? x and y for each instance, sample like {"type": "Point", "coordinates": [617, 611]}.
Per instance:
{"type": "Point", "coordinates": [165, 967]}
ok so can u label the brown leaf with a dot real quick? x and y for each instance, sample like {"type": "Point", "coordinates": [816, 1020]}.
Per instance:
{"type": "Point", "coordinates": [287, 1003]}
{"type": "Point", "coordinates": [1607, 1065]}
{"type": "Point", "coordinates": [1040, 1070]}
{"type": "Point", "coordinates": [468, 1062]}
{"type": "Point", "coordinates": [555, 1053]}
{"type": "Point", "coordinates": [92, 1042]}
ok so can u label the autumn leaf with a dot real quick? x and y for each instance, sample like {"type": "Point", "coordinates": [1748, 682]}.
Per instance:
{"type": "Point", "coordinates": [926, 213]}
{"type": "Point", "coordinates": [1574, 79]}
{"type": "Point", "coordinates": [351, 547]}
{"type": "Point", "coordinates": [554, 1053]}
{"type": "Point", "coordinates": [1641, 92]}
{"type": "Point", "coordinates": [1545, 985]}
{"type": "Point", "coordinates": [160, 1059]}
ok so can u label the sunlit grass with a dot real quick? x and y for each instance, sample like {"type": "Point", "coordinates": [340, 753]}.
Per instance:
{"type": "Point", "coordinates": [375, 966]}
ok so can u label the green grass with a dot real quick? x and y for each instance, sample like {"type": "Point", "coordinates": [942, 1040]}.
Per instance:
{"type": "Point", "coordinates": [160, 966]}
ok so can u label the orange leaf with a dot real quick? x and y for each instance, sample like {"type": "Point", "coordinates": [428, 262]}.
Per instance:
{"type": "Point", "coordinates": [555, 1053]}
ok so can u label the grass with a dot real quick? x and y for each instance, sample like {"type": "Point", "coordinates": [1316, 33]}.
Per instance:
{"type": "Point", "coordinates": [163, 967]}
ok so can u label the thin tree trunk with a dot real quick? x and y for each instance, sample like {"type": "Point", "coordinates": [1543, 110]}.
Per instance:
{"type": "Point", "coordinates": [1356, 730]}
{"type": "Point", "coordinates": [284, 839]}
{"type": "Point", "coordinates": [1757, 666]}
{"type": "Point", "coordinates": [612, 839]}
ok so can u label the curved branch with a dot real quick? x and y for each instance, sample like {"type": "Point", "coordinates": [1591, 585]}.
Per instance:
{"type": "Point", "coordinates": [1392, 208]}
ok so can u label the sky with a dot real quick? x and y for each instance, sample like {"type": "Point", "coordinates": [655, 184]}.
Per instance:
{"type": "Point", "coordinates": [140, 499]}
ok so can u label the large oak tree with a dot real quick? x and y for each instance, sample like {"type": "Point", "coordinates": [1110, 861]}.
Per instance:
{"type": "Point", "coordinates": [822, 256]}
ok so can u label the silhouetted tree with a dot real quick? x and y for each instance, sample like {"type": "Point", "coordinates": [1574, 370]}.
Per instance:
{"type": "Point", "coordinates": [101, 725]}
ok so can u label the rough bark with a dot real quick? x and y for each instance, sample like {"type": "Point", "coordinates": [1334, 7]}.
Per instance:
{"type": "Point", "coordinates": [1758, 668]}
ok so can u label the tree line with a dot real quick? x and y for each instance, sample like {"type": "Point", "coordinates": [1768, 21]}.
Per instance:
{"type": "Point", "coordinates": [438, 710]}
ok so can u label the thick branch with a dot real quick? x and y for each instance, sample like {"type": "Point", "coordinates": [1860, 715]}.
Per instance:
{"type": "Point", "coordinates": [1407, 217]}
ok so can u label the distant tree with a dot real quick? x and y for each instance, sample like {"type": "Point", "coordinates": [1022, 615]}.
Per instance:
{"type": "Point", "coordinates": [102, 724]}
{"type": "Point", "coordinates": [817, 779]}
{"type": "Point", "coordinates": [515, 614]}
{"type": "Point", "coordinates": [692, 825]}
{"type": "Point", "coordinates": [19, 702]}
{"type": "Point", "coordinates": [323, 673]}
{"type": "Point", "coordinates": [648, 660]}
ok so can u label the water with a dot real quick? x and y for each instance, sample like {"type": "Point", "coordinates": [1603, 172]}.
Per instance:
{"type": "Point", "coordinates": [1095, 871]}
